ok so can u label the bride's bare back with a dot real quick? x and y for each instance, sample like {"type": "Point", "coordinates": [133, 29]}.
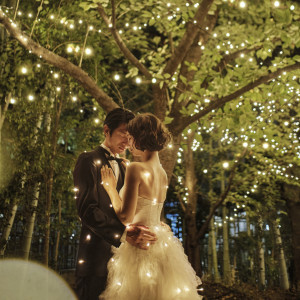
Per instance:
{"type": "Point", "coordinates": [153, 181]}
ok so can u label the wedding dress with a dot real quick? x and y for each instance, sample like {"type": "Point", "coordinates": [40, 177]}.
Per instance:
{"type": "Point", "coordinates": [160, 273]}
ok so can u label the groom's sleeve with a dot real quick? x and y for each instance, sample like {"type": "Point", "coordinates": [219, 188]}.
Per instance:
{"type": "Point", "coordinates": [88, 205]}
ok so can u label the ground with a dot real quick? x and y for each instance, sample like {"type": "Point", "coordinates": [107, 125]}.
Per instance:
{"type": "Point", "coordinates": [216, 291]}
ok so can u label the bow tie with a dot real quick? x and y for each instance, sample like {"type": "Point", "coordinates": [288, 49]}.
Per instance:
{"type": "Point", "coordinates": [117, 159]}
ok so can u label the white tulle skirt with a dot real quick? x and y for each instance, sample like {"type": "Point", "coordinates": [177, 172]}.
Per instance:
{"type": "Point", "coordinates": [160, 273]}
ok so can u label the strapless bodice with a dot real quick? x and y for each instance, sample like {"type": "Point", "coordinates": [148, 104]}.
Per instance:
{"type": "Point", "coordinates": [147, 212]}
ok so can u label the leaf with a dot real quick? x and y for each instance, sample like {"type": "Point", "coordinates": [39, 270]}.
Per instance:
{"type": "Point", "coordinates": [151, 22]}
{"type": "Point", "coordinates": [183, 79]}
{"type": "Point", "coordinates": [296, 58]}
{"type": "Point", "coordinates": [168, 120]}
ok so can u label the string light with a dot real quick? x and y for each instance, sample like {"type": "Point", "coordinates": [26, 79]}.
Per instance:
{"type": "Point", "coordinates": [225, 165]}
{"type": "Point", "coordinates": [242, 4]}
{"type": "Point", "coordinates": [24, 70]}
{"type": "Point", "coordinates": [88, 51]}
{"type": "Point", "coordinates": [265, 145]}
{"type": "Point", "coordinates": [276, 3]}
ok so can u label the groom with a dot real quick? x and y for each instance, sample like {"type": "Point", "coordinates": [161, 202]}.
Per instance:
{"type": "Point", "coordinates": [100, 226]}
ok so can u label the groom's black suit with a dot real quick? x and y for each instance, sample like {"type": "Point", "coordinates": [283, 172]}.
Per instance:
{"type": "Point", "coordinates": [100, 226]}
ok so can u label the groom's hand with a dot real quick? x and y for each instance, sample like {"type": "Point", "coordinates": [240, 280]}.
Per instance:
{"type": "Point", "coordinates": [140, 236]}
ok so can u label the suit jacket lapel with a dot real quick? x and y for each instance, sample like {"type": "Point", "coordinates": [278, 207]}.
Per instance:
{"type": "Point", "coordinates": [121, 177]}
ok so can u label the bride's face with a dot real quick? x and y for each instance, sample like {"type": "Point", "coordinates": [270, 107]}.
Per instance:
{"type": "Point", "coordinates": [132, 147]}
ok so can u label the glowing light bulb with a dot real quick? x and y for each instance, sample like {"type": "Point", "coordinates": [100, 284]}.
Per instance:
{"type": "Point", "coordinates": [225, 165]}
{"type": "Point", "coordinates": [69, 49]}
{"type": "Point", "coordinates": [148, 274]}
{"type": "Point", "coordinates": [88, 51]}
{"type": "Point", "coordinates": [276, 3]}
{"type": "Point", "coordinates": [154, 80]}
{"type": "Point", "coordinates": [265, 145]}
{"type": "Point", "coordinates": [245, 144]}
{"type": "Point", "coordinates": [81, 261]}
{"type": "Point", "coordinates": [117, 77]}
{"type": "Point", "coordinates": [55, 75]}
{"type": "Point", "coordinates": [204, 171]}
{"type": "Point", "coordinates": [30, 98]}
{"type": "Point", "coordinates": [24, 70]}
{"type": "Point", "coordinates": [88, 237]}
{"type": "Point", "coordinates": [138, 80]}
{"type": "Point", "coordinates": [242, 4]}
{"type": "Point", "coordinates": [97, 121]}
{"type": "Point", "coordinates": [12, 101]}
{"type": "Point", "coordinates": [74, 98]}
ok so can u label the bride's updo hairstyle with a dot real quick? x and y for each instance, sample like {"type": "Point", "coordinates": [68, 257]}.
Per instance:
{"type": "Point", "coordinates": [149, 132]}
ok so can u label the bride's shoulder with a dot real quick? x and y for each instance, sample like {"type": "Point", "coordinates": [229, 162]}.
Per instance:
{"type": "Point", "coordinates": [134, 167]}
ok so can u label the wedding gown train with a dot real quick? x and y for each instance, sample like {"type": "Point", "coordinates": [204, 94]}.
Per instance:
{"type": "Point", "coordinates": [160, 273]}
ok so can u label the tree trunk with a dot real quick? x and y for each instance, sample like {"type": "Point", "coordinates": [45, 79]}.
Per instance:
{"type": "Point", "coordinates": [30, 220]}
{"type": "Point", "coordinates": [250, 255]}
{"type": "Point", "coordinates": [49, 183]}
{"type": "Point", "coordinates": [226, 258]}
{"type": "Point", "coordinates": [217, 277]}
{"type": "Point", "coordinates": [292, 195]}
{"type": "Point", "coordinates": [192, 246]}
{"type": "Point", "coordinates": [284, 281]}
{"type": "Point", "coordinates": [261, 256]}
{"type": "Point", "coordinates": [29, 225]}
{"type": "Point", "coordinates": [168, 156]}
{"type": "Point", "coordinates": [3, 112]}
{"type": "Point", "coordinates": [57, 237]}
{"type": "Point", "coordinates": [209, 256]}
{"type": "Point", "coordinates": [7, 229]}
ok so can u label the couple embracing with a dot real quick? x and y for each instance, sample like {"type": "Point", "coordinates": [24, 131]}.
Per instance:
{"type": "Point", "coordinates": [125, 252]}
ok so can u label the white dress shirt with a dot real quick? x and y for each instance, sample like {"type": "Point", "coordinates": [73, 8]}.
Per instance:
{"type": "Point", "coordinates": [113, 163]}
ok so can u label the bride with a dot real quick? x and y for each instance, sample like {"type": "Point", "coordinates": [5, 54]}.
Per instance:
{"type": "Point", "coordinates": [162, 272]}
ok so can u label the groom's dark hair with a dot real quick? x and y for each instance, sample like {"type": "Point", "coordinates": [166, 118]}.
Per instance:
{"type": "Point", "coordinates": [116, 117]}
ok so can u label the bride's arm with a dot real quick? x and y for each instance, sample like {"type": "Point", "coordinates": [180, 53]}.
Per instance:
{"type": "Point", "coordinates": [124, 208]}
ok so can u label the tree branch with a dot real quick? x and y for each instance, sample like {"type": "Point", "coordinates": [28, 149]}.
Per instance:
{"type": "Point", "coordinates": [189, 36]}
{"type": "Point", "coordinates": [232, 56]}
{"type": "Point", "coordinates": [182, 204]}
{"type": "Point", "coordinates": [122, 46]}
{"type": "Point", "coordinates": [227, 58]}
{"type": "Point", "coordinates": [219, 102]}
{"type": "Point", "coordinates": [63, 64]}
{"type": "Point", "coordinates": [223, 196]}
{"type": "Point", "coordinates": [2, 113]}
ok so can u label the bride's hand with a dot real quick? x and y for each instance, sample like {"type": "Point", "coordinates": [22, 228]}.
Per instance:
{"type": "Point", "coordinates": [108, 179]}
{"type": "Point", "coordinates": [125, 162]}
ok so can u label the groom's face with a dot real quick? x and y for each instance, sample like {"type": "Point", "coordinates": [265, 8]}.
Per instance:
{"type": "Point", "coordinates": [117, 142]}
